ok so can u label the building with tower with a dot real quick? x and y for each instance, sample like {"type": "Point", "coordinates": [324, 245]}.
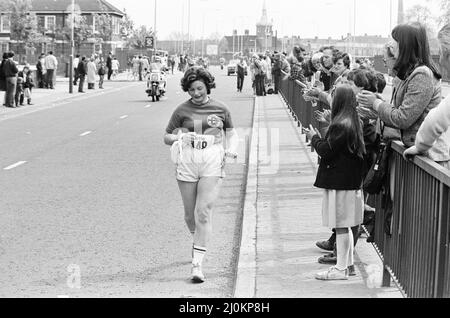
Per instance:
{"type": "Point", "coordinates": [265, 39]}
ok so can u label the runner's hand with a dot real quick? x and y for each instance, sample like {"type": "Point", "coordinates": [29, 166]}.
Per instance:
{"type": "Point", "coordinates": [230, 154]}
{"type": "Point", "coordinates": [188, 138]}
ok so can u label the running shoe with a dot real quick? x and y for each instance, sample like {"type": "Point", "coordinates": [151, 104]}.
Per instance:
{"type": "Point", "coordinates": [197, 274]}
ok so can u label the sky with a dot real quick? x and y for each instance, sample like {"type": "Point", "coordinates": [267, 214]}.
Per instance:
{"type": "Point", "coordinates": [322, 18]}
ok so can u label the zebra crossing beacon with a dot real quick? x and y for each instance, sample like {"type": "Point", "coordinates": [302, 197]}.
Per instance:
{"type": "Point", "coordinates": [201, 135]}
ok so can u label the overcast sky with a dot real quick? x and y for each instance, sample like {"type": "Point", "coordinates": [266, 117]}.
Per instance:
{"type": "Point", "coordinates": [321, 18]}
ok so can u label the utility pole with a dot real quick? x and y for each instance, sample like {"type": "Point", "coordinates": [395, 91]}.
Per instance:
{"type": "Point", "coordinates": [154, 35]}
{"type": "Point", "coordinates": [71, 66]}
{"type": "Point", "coordinates": [189, 24]}
{"type": "Point", "coordinates": [182, 28]}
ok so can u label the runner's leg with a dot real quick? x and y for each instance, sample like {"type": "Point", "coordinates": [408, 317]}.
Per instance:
{"type": "Point", "coordinates": [207, 193]}
{"type": "Point", "coordinates": [189, 195]}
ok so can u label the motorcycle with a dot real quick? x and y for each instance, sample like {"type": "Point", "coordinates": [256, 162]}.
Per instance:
{"type": "Point", "coordinates": [156, 84]}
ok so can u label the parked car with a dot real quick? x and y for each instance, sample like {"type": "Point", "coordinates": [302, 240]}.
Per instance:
{"type": "Point", "coordinates": [232, 67]}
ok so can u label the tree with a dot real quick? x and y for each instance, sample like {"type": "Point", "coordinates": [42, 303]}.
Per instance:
{"type": "Point", "coordinates": [137, 39]}
{"type": "Point", "coordinates": [422, 14]}
{"type": "Point", "coordinates": [126, 25]}
{"type": "Point", "coordinates": [23, 27]}
{"type": "Point", "coordinates": [445, 9]}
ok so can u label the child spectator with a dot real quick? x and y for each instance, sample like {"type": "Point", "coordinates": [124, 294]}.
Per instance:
{"type": "Point", "coordinates": [28, 84]}
{"type": "Point", "coordinates": [19, 97]}
{"type": "Point", "coordinates": [340, 174]}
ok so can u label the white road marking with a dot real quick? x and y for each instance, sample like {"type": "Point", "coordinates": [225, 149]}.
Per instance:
{"type": "Point", "coordinates": [15, 165]}
{"type": "Point", "coordinates": [123, 117]}
{"type": "Point", "coordinates": [148, 106]}
{"type": "Point", "coordinates": [86, 133]}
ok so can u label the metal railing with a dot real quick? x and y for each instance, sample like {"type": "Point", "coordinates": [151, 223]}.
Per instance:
{"type": "Point", "coordinates": [414, 245]}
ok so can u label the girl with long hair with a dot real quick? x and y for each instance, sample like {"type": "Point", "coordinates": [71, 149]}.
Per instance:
{"type": "Point", "coordinates": [340, 175]}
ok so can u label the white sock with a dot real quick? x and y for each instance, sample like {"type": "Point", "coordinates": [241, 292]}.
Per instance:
{"type": "Point", "coordinates": [350, 260]}
{"type": "Point", "coordinates": [343, 248]}
{"type": "Point", "coordinates": [199, 253]}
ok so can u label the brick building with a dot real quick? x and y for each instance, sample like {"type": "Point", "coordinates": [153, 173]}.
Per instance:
{"type": "Point", "coordinates": [52, 17]}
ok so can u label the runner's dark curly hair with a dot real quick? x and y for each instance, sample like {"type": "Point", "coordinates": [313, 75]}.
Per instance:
{"type": "Point", "coordinates": [198, 73]}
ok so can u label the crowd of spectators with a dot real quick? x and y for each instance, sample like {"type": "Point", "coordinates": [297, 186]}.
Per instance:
{"type": "Point", "coordinates": [350, 93]}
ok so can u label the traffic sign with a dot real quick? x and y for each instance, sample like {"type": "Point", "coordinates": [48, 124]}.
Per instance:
{"type": "Point", "coordinates": [149, 42]}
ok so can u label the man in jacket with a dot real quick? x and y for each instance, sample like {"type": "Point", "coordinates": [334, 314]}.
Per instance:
{"type": "Point", "coordinates": [109, 65]}
{"type": "Point", "coordinates": [40, 71]}
{"type": "Point", "coordinates": [75, 63]}
{"type": "Point", "coordinates": [82, 71]}
{"type": "Point", "coordinates": [276, 72]}
{"type": "Point", "coordinates": [51, 65]}
{"type": "Point", "coordinates": [10, 71]}
{"type": "Point", "coordinates": [2, 74]}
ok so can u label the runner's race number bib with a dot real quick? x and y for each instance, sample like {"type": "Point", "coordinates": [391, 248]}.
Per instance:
{"type": "Point", "coordinates": [202, 141]}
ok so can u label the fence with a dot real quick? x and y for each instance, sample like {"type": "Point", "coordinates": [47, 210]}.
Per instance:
{"type": "Point", "coordinates": [414, 244]}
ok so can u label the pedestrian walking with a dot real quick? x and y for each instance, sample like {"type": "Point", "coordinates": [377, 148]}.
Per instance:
{"type": "Point", "coordinates": [197, 131]}
{"type": "Point", "coordinates": [91, 73]}
{"type": "Point", "coordinates": [241, 68]}
{"type": "Point", "coordinates": [109, 65]}
{"type": "Point", "coordinates": [82, 72]}
{"type": "Point", "coordinates": [340, 175]}
{"type": "Point", "coordinates": [140, 67]}
{"type": "Point", "coordinates": [51, 65]}
{"type": "Point", "coordinates": [101, 72]}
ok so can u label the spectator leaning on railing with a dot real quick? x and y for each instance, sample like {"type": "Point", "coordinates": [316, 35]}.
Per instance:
{"type": "Point", "coordinates": [417, 92]}
{"type": "Point", "coordinates": [436, 124]}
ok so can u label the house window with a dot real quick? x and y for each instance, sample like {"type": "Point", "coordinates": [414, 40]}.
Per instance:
{"type": "Point", "coordinates": [50, 23]}
{"type": "Point", "coordinates": [115, 25]}
{"type": "Point", "coordinates": [95, 23]}
{"type": "Point", "coordinates": [4, 24]}
{"type": "Point", "coordinates": [4, 47]}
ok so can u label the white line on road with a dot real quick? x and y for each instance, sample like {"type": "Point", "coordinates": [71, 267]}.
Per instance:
{"type": "Point", "coordinates": [86, 133]}
{"type": "Point", "coordinates": [123, 117]}
{"type": "Point", "coordinates": [148, 106]}
{"type": "Point", "coordinates": [15, 165]}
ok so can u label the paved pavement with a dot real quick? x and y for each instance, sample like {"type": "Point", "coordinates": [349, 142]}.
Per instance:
{"type": "Point", "coordinates": [45, 98]}
{"type": "Point", "coordinates": [282, 219]}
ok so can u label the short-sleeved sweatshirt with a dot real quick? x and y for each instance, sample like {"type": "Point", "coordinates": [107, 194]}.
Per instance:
{"type": "Point", "coordinates": [212, 118]}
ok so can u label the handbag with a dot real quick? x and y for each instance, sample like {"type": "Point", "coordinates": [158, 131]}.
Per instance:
{"type": "Point", "coordinates": [376, 177]}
